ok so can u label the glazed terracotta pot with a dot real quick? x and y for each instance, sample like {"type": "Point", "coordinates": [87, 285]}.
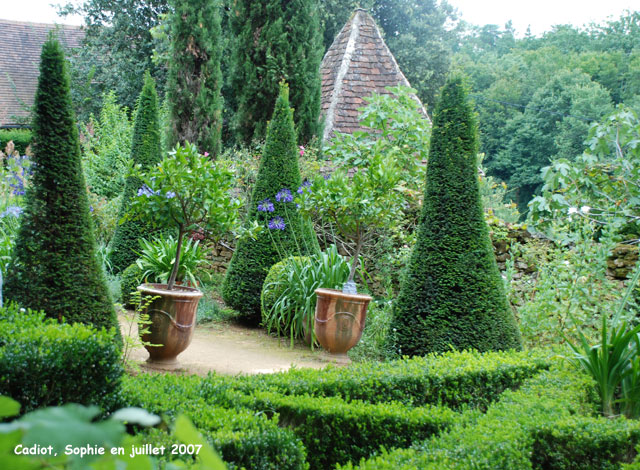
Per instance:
{"type": "Point", "coordinates": [339, 319]}
{"type": "Point", "coordinates": [173, 320]}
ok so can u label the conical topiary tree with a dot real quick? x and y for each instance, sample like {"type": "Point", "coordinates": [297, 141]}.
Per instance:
{"type": "Point", "coordinates": [278, 173]}
{"type": "Point", "coordinates": [55, 267]}
{"type": "Point", "coordinates": [195, 80]}
{"type": "Point", "coordinates": [452, 296]}
{"type": "Point", "coordinates": [145, 151]}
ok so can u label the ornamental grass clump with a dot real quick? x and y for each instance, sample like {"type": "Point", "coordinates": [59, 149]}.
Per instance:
{"type": "Point", "coordinates": [54, 266]}
{"type": "Point", "coordinates": [452, 295]}
{"type": "Point", "coordinates": [278, 174]}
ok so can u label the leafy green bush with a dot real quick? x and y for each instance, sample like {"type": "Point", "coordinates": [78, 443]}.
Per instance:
{"type": "Point", "coordinates": [454, 379]}
{"type": "Point", "coordinates": [584, 443]}
{"type": "Point", "coordinates": [130, 279]}
{"type": "Point", "coordinates": [243, 438]}
{"type": "Point", "coordinates": [157, 258]}
{"type": "Point", "coordinates": [75, 425]}
{"type": "Point", "coordinates": [45, 363]}
{"type": "Point", "coordinates": [288, 298]}
{"type": "Point", "coordinates": [106, 145]}
{"type": "Point", "coordinates": [334, 431]}
{"type": "Point", "coordinates": [452, 295]}
{"type": "Point", "coordinates": [21, 139]}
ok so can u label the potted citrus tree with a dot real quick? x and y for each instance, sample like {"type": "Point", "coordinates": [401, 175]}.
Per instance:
{"type": "Point", "coordinates": [186, 192]}
{"type": "Point", "coordinates": [355, 202]}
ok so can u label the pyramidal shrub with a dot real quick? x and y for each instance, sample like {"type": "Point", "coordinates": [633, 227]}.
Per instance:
{"type": "Point", "coordinates": [55, 267]}
{"type": "Point", "coordinates": [284, 231]}
{"type": "Point", "coordinates": [452, 295]}
{"type": "Point", "coordinates": [146, 152]}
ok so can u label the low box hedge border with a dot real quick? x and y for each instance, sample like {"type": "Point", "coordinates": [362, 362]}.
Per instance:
{"type": "Point", "coordinates": [243, 438]}
{"type": "Point", "coordinates": [46, 363]}
{"type": "Point", "coordinates": [457, 379]}
{"type": "Point", "coordinates": [539, 426]}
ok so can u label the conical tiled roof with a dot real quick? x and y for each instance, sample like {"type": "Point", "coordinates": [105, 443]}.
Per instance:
{"type": "Point", "coordinates": [357, 64]}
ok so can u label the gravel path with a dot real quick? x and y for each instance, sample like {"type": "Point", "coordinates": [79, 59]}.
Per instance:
{"type": "Point", "coordinates": [232, 349]}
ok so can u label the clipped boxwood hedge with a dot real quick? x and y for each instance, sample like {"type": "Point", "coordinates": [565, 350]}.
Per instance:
{"type": "Point", "coordinates": [453, 379]}
{"type": "Point", "coordinates": [243, 438]}
{"type": "Point", "coordinates": [514, 429]}
{"type": "Point", "coordinates": [21, 139]}
{"type": "Point", "coordinates": [45, 363]}
{"type": "Point", "coordinates": [585, 443]}
{"type": "Point", "coordinates": [334, 431]}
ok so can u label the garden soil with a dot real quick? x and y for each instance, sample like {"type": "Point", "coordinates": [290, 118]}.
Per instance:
{"type": "Point", "coordinates": [233, 349]}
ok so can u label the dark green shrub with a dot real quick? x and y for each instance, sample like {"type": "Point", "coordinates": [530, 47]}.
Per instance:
{"type": "Point", "coordinates": [243, 438]}
{"type": "Point", "coordinates": [452, 296]}
{"type": "Point", "coordinates": [145, 151]}
{"type": "Point", "coordinates": [21, 139]}
{"type": "Point", "coordinates": [193, 88]}
{"type": "Point", "coordinates": [585, 443]}
{"type": "Point", "coordinates": [55, 267]}
{"type": "Point", "coordinates": [44, 363]}
{"type": "Point", "coordinates": [453, 379]}
{"type": "Point", "coordinates": [272, 40]}
{"type": "Point", "coordinates": [334, 431]}
{"type": "Point", "coordinates": [130, 279]}
{"type": "Point", "coordinates": [253, 258]}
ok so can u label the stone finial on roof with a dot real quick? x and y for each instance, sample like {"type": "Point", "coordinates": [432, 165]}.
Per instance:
{"type": "Point", "coordinates": [357, 64]}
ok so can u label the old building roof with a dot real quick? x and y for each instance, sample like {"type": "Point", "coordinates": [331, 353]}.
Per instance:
{"type": "Point", "coordinates": [357, 64]}
{"type": "Point", "coordinates": [20, 48]}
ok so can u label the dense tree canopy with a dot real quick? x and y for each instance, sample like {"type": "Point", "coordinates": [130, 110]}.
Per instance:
{"type": "Point", "coordinates": [536, 97]}
{"type": "Point", "coordinates": [118, 49]}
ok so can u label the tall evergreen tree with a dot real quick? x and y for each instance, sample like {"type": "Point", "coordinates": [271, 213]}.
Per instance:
{"type": "Point", "coordinates": [194, 74]}
{"type": "Point", "coordinates": [275, 40]}
{"type": "Point", "coordinates": [452, 295]}
{"type": "Point", "coordinates": [253, 258]}
{"type": "Point", "coordinates": [55, 267]}
{"type": "Point", "coordinates": [145, 151]}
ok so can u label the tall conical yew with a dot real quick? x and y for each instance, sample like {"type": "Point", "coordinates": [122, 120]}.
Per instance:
{"type": "Point", "coordinates": [253, 258]}
{"type": "Point", "coordinates": [145, 151]}
{"type": "Point", "coordinates": [452, 296]}
{"type": "Point", "coordinates": [275, 40]}
{"type": "Point", "coordinates": [194, 74]}
{"type": "Point", "coordinates": [55, 266]}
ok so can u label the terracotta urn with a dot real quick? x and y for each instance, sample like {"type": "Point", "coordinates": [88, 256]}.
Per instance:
{"type": "Point", "coordinates": [339, 319]}
{"type": "Point", "coordinates": [173, 320]}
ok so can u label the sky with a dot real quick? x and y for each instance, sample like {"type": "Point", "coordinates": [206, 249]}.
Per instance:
{"type": "Point", "coordinates": [539, 14]}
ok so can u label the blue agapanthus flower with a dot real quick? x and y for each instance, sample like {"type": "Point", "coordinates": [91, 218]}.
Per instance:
{"type": "Point", "coordinates": [284, 195]}
{"type": "Point", "coordinates": [12, 211]}
{"type": "Point", "coordinates": [146, 191]}
{"type": "Point", "coordinates": [277, 223]}
{"type": "Point", "coordinates": [170, 195]}
{"type": "Point", "coordinates": [305, 185]}
{"type": "Point", "coordinates": [265, 206]}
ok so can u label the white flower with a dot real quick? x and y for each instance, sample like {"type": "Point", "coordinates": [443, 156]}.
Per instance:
{"type": "Point", "coordinates": [573, 210]}
{"type": "Point", "coordinates": [585, 209]}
